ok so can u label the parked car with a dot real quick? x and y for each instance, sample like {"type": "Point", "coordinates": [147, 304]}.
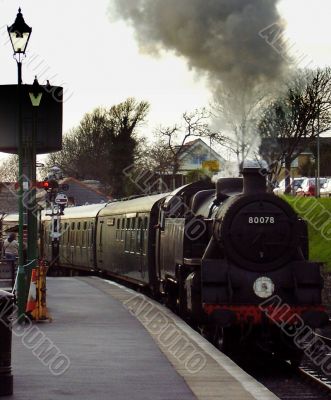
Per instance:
{"type": "Point", "coordinates": [295, 183]}
{"type": "Point", "coordinates": [325, 190]}
{"type": "Point", "coordinates": [307, 187]}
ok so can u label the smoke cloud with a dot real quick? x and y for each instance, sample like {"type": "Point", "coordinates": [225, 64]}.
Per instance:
{"type": "Point", "coordinates": [217, 37]}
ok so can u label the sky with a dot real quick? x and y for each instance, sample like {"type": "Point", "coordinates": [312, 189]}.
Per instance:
{"type": "Point", "coordinates": [78, 45]}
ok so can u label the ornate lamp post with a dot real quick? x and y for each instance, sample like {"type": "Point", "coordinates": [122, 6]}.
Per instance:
{"type": "Point", "coordinates": [19, 34]}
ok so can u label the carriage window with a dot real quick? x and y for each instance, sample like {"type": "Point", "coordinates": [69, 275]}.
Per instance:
{"type": "Point", "coordinates": [133, 223]}
{"type": "Point", "coordinates": [145, 222]}
{"type": "Point", "coordinates": [122, 229]}
{"type": "Point", "coordinates": [127, 236]}
{"type": "Point", "coordinates": [61, 235]}
{"type": "Point", "coordinates": [78, 226]}
{"type": "Point", "coordinates": [72, 225]}
{"type": "Point", "coordinates": [138, 235]}
{"type": "Point", "coordinates": [118, 232]}
{"type": "Point", "coordinates": [71, 237]}
{"type": "Point", "coordinates": [65, 233]}
{"type": "Point", "coordinates": [85, 225]}
{"type": "Point", "coordinates": [63, 230]}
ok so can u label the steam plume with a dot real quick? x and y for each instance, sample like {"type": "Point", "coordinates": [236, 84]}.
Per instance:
{"type": "Point", "coordinates": [218, 37]}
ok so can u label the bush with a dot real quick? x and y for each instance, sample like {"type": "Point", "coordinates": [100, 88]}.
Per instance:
{"type": "Point", "coordinates": [317, 213]}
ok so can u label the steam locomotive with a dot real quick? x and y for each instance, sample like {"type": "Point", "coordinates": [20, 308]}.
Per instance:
{"type": "Point", "coordinates": [229, 258]}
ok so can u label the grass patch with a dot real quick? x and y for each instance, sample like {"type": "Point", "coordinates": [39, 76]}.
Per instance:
{"type": "Point", "coordinates": [317, 212]}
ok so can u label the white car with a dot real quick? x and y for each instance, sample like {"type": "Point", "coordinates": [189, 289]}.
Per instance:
{"type": "Point", "coordinates": [325, 190]}
{"type": "Point", "coordinates": [295, 183]}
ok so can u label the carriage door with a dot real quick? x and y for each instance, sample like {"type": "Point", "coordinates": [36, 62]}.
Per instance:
{"type": "Point", "coordinates": [99, 246]}
{"type": "Point", "coordinates": [91, 249]}
{"type": "Point", "coordinates": [140, 245]}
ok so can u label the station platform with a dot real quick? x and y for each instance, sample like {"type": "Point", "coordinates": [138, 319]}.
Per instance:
{"type": "Point", "coordinates": [108, 342]}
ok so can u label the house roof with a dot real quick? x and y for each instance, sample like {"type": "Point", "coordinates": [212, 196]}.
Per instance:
{"type": "Point", "coordinates": [305, 144]}
{"type": "Point", "coordinates": [82, 193]}
{"type": "Point", "coordinates": [193, 144]}
{"type": "Point", "coordinates": [78, 193]}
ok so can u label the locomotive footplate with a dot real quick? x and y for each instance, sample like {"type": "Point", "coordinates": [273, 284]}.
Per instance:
{"type": "Point", "coordinates": [280, 315]}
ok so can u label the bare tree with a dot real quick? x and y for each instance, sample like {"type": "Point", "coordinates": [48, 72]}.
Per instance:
{"type": "Point", "coordinates": [195, 124]}
{"type": "Point", "coordinates": [157, 157]}
{"type": "Point", "coordinates": [237, 109]}
{"type": "Point", "coordinates": [103, 145]}
{"type": "Point", "coordinates": [291, 122]}
{"type": "Point", "coordinates": [9, 169]}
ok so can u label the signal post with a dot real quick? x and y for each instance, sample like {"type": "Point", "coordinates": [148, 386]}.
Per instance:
{"type": "Point", "coordinates": [56, 202]}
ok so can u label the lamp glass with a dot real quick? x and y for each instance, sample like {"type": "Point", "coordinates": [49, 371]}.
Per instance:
{"type": "Point", "coordinates": [19, 41]}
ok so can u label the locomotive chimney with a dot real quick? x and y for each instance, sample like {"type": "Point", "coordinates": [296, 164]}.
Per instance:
{"type": "Point", "coordinates": [254, 177]}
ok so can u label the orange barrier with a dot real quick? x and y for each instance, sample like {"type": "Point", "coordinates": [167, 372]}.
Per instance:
{"type": "Point", "coordinates": [32, 298]}
{"type": "Point", "coordinates": [36, 305]}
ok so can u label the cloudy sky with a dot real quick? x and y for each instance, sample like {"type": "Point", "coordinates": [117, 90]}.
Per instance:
{"type": "Point", "coordinates": [96, 57]}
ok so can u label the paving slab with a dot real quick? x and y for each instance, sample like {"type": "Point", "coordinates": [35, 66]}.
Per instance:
{"type": "Point", "coordinates": [105, 352]}
{"type": "Point", "coordinates": [108, 342]}
{"type": "Point", "coordinates": [210, 374]}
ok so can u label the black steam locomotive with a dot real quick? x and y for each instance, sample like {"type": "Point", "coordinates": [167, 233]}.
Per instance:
{"type": "Point", "coordinates": [232, 259]}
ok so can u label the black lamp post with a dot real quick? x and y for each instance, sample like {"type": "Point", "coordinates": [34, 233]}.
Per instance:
{"type": "Point", "coordinates": [19, 33]}
{"type": "Point", "coordinates": [35, 95]}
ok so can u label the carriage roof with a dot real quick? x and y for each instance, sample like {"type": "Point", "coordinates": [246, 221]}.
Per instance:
{"type": "Point", "coordinates": [140, 204]}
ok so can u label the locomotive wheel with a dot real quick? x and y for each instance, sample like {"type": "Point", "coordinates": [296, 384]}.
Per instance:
{"type": "Point", "coordinates": [222, 339]}
{"type": "Point", "coordinates": [227, 340]}
{"type": "Point", "coordinates": [182, 300]}
{"type": "Point", "coordinates": [219, 339]}
{"type": "Point", "coordinates": [296, 358]}
{"type": "Point", "coordinates": [171, 295]}
{"type": "Point", "coordinates": [289, 351]}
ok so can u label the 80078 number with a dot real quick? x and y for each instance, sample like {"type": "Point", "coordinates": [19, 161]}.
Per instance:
{"type": "Point", "coordinates": [261, 220]}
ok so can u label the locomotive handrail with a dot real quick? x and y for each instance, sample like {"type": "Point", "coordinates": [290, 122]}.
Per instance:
{"type": "Point", "coordinates": [192, 261]}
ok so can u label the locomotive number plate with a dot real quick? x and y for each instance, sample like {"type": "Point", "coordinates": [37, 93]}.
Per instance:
{"type": "Point", "coordinates": [261, 220]}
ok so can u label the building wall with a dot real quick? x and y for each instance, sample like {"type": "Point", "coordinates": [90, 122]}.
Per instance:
{"type": "Point", "coordinates": [195, 156]}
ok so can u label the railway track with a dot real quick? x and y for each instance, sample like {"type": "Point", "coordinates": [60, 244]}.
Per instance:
{"type": "Point", "coordinates": [289, 383]}
{"type": "Point", "coordinates": [316, 378]}
{"type": "Point", "coordinates": [308, 381]}
{"type": "Point", "coordinates": [316, 373]}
